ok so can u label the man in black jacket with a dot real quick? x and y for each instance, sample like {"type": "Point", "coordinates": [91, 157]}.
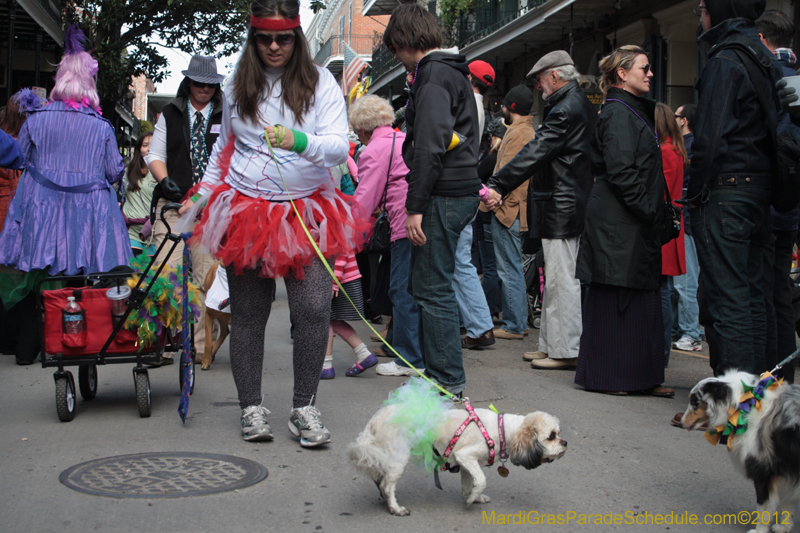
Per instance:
{"type": "Point", "coordinates": [776, 31]}
{"type": "Point", "coordinates": [729, 192]}
{"type": "Point", "coordinates": [182, 142]}
{"type": "Point", "coordinates": [559, 161]}
{"type": "Point", "coordinates": [441, 151]}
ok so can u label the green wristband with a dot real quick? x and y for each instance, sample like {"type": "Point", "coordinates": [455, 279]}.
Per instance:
{"type": "Point", "coordinates": [300, 141]}
{"type": "Point", "coordinates": [196, 197]}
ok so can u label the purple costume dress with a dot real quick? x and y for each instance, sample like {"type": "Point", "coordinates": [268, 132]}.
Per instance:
{"type": "Point", "coordinates": [64, 218]}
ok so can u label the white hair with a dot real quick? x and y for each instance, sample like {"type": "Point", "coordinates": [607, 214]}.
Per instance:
{"type": "Point", "coordinates": [567, 72]}
{"type": "Point", "coordinates": [370, 112]}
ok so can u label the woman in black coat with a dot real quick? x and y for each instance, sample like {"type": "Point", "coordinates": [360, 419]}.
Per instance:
{"type": "Point", "coordinates": [622, 344]}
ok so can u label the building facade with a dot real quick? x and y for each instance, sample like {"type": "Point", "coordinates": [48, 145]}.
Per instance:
{"type": "Point", "coordinates": [31, 41]}
{"type": "Point", "coordinates": [141, 86]}
{"type": "Point", "coordinates": [343, 22]}
{"type": "Point", "coordinates": [512, 35]}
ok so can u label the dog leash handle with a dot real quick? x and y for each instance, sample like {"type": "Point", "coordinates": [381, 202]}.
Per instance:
{"type": "Point", "coordinates": [787, 360]}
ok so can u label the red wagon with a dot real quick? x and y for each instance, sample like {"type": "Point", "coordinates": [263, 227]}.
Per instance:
{"type": "Point", "coordinates": [106, 342]}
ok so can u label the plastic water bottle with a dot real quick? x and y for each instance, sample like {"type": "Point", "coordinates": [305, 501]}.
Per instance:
{"type": "Point", "coordinates": [73, 324]}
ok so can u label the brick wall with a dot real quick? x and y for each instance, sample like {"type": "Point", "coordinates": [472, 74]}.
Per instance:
{"type": "Point", "coordinates": [361, 25]}
{"type": "Point", "coordinates": [141, 85]}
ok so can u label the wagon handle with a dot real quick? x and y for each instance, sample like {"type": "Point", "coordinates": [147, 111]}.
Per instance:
{"type": "Point", "coordinates": [168, 207]}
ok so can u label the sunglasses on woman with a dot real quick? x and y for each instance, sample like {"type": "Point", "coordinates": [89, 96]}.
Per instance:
{"type": "Point", "coordinates": [283, 39]}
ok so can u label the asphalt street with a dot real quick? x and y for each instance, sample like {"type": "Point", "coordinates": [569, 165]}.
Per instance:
{"type": "Point", "coordinates": [624, 463]}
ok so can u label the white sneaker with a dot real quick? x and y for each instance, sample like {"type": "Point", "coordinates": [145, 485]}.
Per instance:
{"type": "Point", "coordinates": [304, 422]}
{"type": "Point", "coordinates": [254, 424]}
{"type": "Point", "coordinates": [393, 369]}
{"type": "Point", "coordinates": [688, 344]}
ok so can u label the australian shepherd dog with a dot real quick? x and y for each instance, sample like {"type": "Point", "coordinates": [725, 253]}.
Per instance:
{"type": "Point", "coordinates": [767, 451]}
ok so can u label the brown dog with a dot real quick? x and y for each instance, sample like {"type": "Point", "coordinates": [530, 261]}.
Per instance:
{"type": "Point", "coordinates": [224, 320]}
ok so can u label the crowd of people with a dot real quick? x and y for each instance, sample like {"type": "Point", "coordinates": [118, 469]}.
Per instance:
{"type": "Point", "coordinates": [278, 178]}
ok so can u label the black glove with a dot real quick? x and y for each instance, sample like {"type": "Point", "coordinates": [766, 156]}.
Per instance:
{"type": "Point", "coordinates": [170, 189]}
{"type": "Point", "coordinates": [787, 96]}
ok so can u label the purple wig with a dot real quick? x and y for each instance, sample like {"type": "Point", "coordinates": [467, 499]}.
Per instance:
{"type": "Point", "coordinates": [75, 75]}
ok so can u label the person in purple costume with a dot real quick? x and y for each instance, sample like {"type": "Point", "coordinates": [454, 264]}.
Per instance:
{"type": "Point", "coordinates": [64, 218]}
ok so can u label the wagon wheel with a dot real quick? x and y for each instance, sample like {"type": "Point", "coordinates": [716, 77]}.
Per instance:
{"type": "Point", "coordinates": [65, 397]}
{"type": "Point", "coordinates": [87, 381]}
{"type": "Point", "coordinates": [142, 383]}
{"type": "Point", "coordinates": [537, 322]}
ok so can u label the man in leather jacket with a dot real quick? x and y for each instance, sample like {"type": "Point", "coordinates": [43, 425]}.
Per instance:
{"type": "Point", "coordinates": [558, 162]}
{"type": "Point", "coordinates": [729, 193]}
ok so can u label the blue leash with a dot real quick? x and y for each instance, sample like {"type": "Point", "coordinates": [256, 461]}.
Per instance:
{"type": "Point", "coordinates": [186, 357]}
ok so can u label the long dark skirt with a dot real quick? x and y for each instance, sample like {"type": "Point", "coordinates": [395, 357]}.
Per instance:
{"type": "Point", "coordinates": [621, 351]}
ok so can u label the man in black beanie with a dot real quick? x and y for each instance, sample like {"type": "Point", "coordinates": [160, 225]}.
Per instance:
{"type": "Point", "coordinates": [510, 220]}
{"type": "Point", "coordinates": [729, 193]}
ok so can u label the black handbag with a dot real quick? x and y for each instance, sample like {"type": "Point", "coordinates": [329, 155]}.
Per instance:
{"type": "Point", "coordinates": [381, 239]}
{"type": "Point", "coordinates": [671, 223]}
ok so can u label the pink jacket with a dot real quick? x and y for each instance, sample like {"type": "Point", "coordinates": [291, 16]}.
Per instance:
{"type": "Point", "coordinates": [372, 168]}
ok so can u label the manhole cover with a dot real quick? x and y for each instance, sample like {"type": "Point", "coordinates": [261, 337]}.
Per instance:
{"type": "Point", "coordinates": [163, 475]}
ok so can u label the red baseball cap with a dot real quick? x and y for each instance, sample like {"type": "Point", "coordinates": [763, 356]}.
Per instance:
{"type": "Point", "coordinates": [483, 71]}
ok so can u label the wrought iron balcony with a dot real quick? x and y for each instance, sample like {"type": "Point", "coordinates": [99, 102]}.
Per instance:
{"type": "Point", "coordinates": [486, 19]}
{"type": "Point", "coordinates": [382, 62]}
{"type": "Point", "coordinates": [333, 48]}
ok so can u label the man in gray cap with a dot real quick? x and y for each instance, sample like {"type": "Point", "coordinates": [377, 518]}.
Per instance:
{"type": "Point", "coordinates": [182, 142]}
{"type": "Point", "coordinates": [559, 161]}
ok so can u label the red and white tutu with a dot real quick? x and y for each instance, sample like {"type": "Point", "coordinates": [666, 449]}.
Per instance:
{"type": "Point", "coordinates": [254, 233]}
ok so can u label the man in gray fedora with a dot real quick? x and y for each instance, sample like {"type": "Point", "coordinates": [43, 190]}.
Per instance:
{"type": "Point", "coordinates": [559, 162]}
{"type": "Point", "coordinates": [182, 142]}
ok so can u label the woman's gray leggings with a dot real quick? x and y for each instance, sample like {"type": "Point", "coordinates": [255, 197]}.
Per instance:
{"type": "Point", "coordinates": [310, 306]}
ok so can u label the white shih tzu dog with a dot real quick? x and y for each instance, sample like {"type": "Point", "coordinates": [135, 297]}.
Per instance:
{"type": "Point", "coordinates": [417, 420]}
{"type": "Point", "coordinates": [760, 423]}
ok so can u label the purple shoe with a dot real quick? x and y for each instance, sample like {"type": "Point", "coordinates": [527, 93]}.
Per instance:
{"type": "Point", "coordinates": [327, 373]}
{"type": "Point", "coordinates": [358, 368]}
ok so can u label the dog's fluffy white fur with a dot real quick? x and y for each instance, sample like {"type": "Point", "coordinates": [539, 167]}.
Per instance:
{"type": "Point", "coordinates": [768, 453]}
{"type": "Point", "coordinates": [381, 451]}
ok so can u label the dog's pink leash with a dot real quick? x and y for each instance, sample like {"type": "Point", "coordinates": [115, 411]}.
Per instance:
{"type": "Point", "coordinates": [471, 418]}
{"type": "Point", "coordinates": [502, 470]}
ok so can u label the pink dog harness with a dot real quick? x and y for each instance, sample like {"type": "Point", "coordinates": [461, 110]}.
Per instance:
{"type": "Point", "coordinates": [474, 418]}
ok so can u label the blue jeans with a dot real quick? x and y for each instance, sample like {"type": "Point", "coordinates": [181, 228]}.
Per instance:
{"type": "Point", "coordinates": [490, 281]}
{"type": "Point", "coordinates": [471, 300]}
{"type": "Point", "coordinates": [432, 269]}
{"type": "Point", "coordinates": [731, 230]}
{"type": "Point", "coordinates": [686, 287]}
{"type": "Point", "coordinates": [405, 318]}
{"type": "Point", "coordinates": [508, 253]}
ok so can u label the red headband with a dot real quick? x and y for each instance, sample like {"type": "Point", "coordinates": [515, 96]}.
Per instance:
{"type": "Point", "coordinates": [274, 24]}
